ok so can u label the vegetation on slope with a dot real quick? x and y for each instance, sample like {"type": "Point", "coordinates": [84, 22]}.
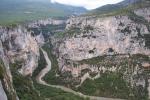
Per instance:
{"type": "Point", "coordinates": [24, 85]}
{"type": "Point", "coordinates": [108, 85]}
{"type": "Point", "coordinates": [41, 65]}
{"type": "Point", "coordinates": [7, 84]}
{"type": "Point", "coordinates": [114, 84]}
{"type": "Point", "coordinates": [47, 30]}
{"type": "Point", "coordinates": [118, 9]}
{"type": "Point", "coordinates": [1, 72]}
{"type": "Point", "coordinates": [17, 11]}
{"type": "Point", "coordinates": [51, 76]}
{"type": "Point", "coordinates": [56, 94]}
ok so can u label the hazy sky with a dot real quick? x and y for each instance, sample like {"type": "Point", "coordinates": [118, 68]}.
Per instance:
{"type": "Point", "coordinates": [89, 4]}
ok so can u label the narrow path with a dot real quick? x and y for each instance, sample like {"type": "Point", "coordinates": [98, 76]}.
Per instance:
{"type": "Point", "coordinates": [48, 68]}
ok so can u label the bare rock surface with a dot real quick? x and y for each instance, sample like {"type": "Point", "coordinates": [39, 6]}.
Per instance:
{"type": "Point", "coordinates": [19, 45]}
{"type": "Point", "coordinates": [2, 93]}
{"type": "Point", "coordinates": [113, 34]}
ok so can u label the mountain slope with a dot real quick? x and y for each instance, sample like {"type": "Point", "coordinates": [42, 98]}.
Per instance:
{"type": "Point", "coordinates": [119, 8]}
{"type": "Point", "coordinates": [20, 11]}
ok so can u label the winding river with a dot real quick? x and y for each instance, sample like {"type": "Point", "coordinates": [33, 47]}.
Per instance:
{"type": "Point", "coordinates": [48, 68]}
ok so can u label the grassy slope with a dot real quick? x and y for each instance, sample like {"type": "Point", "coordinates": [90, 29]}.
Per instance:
{"type": "Point", "coordinates": [112, 84]}
{"type": "Point", "coordinates": [116, 9]}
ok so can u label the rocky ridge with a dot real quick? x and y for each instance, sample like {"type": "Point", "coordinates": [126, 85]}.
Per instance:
{"type": "Point", "coordinates": [120, 34]}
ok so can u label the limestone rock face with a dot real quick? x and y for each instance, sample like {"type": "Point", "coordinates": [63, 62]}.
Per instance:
{"type": "Point", "coordinates": [144, 12]}
{"type": "Point", "coordinates": [20, 46]}
{"type": "Point", "coordinates": [47, 21]}
{"type": "Point", "coordinates": [2, 93]}
{"type": "Point", "coordinates": [101, 36]}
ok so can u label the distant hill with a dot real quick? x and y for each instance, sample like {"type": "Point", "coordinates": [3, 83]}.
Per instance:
{"type": "Point", "coordinates": [122, 7]}
{"type": "Point", "coordinates": [12, 11]}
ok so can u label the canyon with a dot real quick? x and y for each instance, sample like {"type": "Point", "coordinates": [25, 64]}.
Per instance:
{"type": "Point", "coordinates": [93, 57]}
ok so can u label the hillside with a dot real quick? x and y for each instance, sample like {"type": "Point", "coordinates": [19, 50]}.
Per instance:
{"type": "Point", "coordinates": [123, 7]}
{"type": "Point", "coordinates": [12, 11]}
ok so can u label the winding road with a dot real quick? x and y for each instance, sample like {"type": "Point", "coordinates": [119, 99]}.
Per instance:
{"type": "Point", "coordinates": [48, 68]}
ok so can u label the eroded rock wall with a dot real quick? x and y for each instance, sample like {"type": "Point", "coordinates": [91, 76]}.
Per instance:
{"type": "Point", "coordinates": [2, 93]}
{"type": "Point", "coordinates": [118, 34]}
{"type": "Point", "coordinates": [20, 46]}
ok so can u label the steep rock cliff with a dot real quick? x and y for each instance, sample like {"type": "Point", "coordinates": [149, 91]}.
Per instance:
{"type": "Point", "coordinates": [17, 47]}
{"type": "Point", "coordinates": [119, 34]}
{"type": "Point", "coordinates": [20, 46]}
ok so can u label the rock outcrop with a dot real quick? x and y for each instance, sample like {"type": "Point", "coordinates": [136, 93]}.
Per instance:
{"type": "Point", "coordinates": [2, 93]}
{"type": "Point", "coordinates": [118, 34]}
{"type": "Point", "coordinates": [20, 46]}
{"type": "Point", "coordinates": [46, 22]}
{"type": "Point", "coordinates": [144, 12]}
{"type": "Point", "coordinates": [17, 46]}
